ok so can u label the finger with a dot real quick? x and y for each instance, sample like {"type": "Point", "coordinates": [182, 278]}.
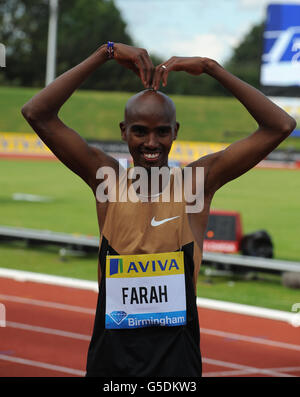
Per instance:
{"type": "Point", "coordinates": [151, 73]}
{"type": "Point", "coordinates": [142, 69]}
{"type": "Point", "coordinates": [154, 78]}
{"type": "Point", "coordinates": [169, 66]}
{"type": "Point", "coordinates": [165, 77]}
{"type": "Point", "coordinates": [157, 76]}
{"type": "Point", "coordinates": [149, 68]}
{"type": "Point", "coordinates": [160, 71]}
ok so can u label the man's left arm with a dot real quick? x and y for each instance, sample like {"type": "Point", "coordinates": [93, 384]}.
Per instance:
{"type": "Point", "coordinates": [274, 124]}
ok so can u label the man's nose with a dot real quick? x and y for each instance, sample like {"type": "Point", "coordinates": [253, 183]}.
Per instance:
{"type": "Point", "coordinates": [152, 141]}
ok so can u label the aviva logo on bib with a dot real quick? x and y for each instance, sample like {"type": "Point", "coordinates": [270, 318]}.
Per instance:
{"type": "Point", "coordinates": [146, 265]}
{"type": "Point", "coordinates": [115, 266]}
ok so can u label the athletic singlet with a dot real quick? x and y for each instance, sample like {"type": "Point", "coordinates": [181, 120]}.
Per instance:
{"type": "Point", "coordinates": [147, 228]}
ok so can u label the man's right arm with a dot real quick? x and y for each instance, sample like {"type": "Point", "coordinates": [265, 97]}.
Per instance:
{"type": "Point", "coordinates": [41, 111]}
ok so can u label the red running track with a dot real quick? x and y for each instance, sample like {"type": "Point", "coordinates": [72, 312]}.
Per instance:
{"type": "Point", "coordinates": [48, 329]}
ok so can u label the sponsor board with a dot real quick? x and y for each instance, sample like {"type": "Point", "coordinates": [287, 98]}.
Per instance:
{"type": "Point", "coordinates": [29, 144]}
{"type": "Point", "coordinates": [23, 144]}
{"type": "Point", "coordinates": [188, 151]}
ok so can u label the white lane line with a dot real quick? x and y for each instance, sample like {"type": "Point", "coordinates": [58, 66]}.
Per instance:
{"type": "Point", "coordinates": [50, 331]}
{"type": "Point", "coordinates": [242, 369]}
{"type": "Point", "coordinates": [40, 364]}
{"type": "Point", "coordinates": [228, 374]}
{"type": "Point", "coordinates": [247, 310]}
{"type": "Point", "coordinates": [238, 369]}
{"type": "Point", "coordinates": [251, 339]}
{"type": "Point", "coordinates": [286, 369]}
{"type": "Point", "coordinates": [246, 368]}
{"type": "Point", "coordinates": [20, 275]}
{"type": "Point", "coordinates": [207, 331]}
{"type": "Point", "coordinates": [244, 372]}
{"type": "Point", "coordinates": [52, 305]}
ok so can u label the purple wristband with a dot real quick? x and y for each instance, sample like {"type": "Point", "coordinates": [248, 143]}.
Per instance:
{"type": "Point", "coordinates": [110, 49]}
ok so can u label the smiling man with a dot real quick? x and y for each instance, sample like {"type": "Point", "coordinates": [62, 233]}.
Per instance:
{"type": "Point", "coordinates": [146, 321]}
{"type": "Point", "coordinates": [150, 127]}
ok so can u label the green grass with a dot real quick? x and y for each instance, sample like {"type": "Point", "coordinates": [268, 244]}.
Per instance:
{"type": "Point", "coordinates": [73, 209]}
{"type": "Point", "coordinates": [267, 199]}
{"type": "Point", "coordinates": [264, 290]}
{"type": "Point", "coordinates": [47, 260]}
{"type": "Point", "coordinates": [97, 115]}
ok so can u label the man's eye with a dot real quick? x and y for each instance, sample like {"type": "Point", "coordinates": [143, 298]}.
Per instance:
{"type": "Point", "coordinates": [139, 130]}
{"type": "Point", "coordinates": [163, 131]}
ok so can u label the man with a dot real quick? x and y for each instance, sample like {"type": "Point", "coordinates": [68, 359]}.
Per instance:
{"type": "Point", "coordinates": [146, 322]}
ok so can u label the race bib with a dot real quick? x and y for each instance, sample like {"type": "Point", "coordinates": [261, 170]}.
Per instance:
{"type": "Point", "coordinates": [145, 291]}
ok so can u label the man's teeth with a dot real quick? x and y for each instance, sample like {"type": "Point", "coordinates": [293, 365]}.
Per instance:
{"type": "Point", "coordinates": [151, 155]}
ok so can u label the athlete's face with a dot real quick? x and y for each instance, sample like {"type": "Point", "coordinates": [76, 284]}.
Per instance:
{"type": "Point", "coordinates": [149, 128]}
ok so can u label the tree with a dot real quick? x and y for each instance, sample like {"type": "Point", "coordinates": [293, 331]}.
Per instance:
{"type": "Point", "coordinates": [83, 25]}
{"type": "Point", "coordinates": [246, 59]}
{"type": "Point", "coordinates": [24, 25]}
{"type": "Point", "coordinates": [244, 63]}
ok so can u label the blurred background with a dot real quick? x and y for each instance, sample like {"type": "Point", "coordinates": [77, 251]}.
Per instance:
{"type": "Point", "coordinates": [256, 215]}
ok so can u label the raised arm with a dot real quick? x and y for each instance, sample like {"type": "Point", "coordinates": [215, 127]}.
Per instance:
{"type": "Point", "coordinates": [41, 111]}
{"type": "Point", "coordinates": [274, 124]}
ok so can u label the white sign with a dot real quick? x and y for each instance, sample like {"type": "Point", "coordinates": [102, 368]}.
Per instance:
{"type": "Point", "coordinates": [2, 56]}
{"type": "Point", "coordinates": [281, 65]}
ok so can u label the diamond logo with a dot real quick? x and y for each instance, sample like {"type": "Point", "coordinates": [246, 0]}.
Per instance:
{"type": "Point", "coordinates": [118, 316]}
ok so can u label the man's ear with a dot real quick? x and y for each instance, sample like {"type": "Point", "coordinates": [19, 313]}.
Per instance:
{"type": "Point", "coordinates": [123, 131]}
{"type": "Point", "coordinates": [176, 130]}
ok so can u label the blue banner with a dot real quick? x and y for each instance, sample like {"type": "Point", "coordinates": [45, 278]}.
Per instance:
{"type": "Point", "coordinates": [281, 54]}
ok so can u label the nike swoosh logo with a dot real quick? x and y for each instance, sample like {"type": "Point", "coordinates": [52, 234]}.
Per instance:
{"type": "Point", "coordinates": [157, 223]}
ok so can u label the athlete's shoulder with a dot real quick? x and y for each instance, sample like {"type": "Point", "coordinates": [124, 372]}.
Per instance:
{"type": "Point", "coordinates": [205, 161]}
